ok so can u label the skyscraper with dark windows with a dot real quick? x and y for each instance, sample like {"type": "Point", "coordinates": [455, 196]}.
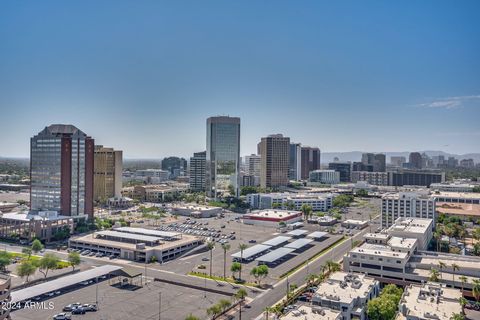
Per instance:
{"type": "Point", "coordinates": [345, 169]}
{"type": "Point", "coordinates": [61, 171]}
{"type": "Point", "coordinates": [223, 155]}
{"type": "Point", "coordinates": [415, 160]}
{"type": "Point", "coordinates": [310, 161]}
{"type": "Point", "coordinates": [294, 161]}
{"type": "Point", "coordinates": [274, 152]}
{"type": "Point", "coordinates": [197, 171]}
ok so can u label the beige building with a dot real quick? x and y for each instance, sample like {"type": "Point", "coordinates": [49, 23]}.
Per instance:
{"type": "Point", "coordinates": [107, 174]}
{"type": "Point", "coordinates": [5, 297]}
{"type": "Point", "coordinates": [429, 301]}
{"type": "Point", "coordinates": [274, 153]}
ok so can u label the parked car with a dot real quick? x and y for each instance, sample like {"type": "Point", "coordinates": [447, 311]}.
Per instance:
{"type": "Point", "coordinates": [62, 316]}
{"type": "Point", "coordinates": [90, 307]}
{"type": "Point", "coordinates": [70, 307]}
{"type": "Point", "coordinates": [252, 241]}
{"type": "Point", "coordinates": [78, 310]}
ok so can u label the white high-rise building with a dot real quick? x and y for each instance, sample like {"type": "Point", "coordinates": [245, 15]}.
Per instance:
{"type": "Point", "coordinates": [407, 205]}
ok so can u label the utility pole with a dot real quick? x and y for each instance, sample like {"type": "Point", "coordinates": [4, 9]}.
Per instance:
{"type": "Point", "coordinates": [96, 294]}
{"type": "Point", "coordinates": [205, 288]}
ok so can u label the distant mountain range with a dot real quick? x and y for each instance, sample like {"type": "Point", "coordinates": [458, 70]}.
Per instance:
{"type": "Point", "coordinates": [327, 157]}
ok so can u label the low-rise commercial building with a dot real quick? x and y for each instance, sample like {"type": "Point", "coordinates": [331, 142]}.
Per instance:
{"type": "Point", "coordinates": [272, 217]}
{"type": "Point", "coordinates": [5, 298]}
{"type": "Point", "coordinates": [137, 244]}
{"type": "Point", "coordinates": [464, 211]}
{"type": "Point", "coordinates": [324, 176]}
{"type": "Point", "coordinates": [295, 201]}
{"type": "Point", "coordinates": [407, 177]}
{"type": "Point", "coordinates": [458, 197]}
{"type": "Point", "coordinates": [313, 313]}
{"type": "Point", "coordinates": [420, 229]}
{"type": "Point", "coordinates": [453, 187]}
{"type": "Point", "coordinates": [429, 301]}
{"type": "Point", "coordinates": [373, 178]}
{"type": "Point", "coordinates": [196, 211]}
{"type": "Point", "coordinates": [155, 193]}
{"type": "Point", "coordinates": [348, 293]}
{"type": "Point", "coordinates": [25, 225]}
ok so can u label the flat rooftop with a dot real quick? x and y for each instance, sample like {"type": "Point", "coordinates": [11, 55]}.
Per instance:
{"type": "Point", "coordinates": [345, 287]}
{"type": "Point", "coordinates": [406, 243]}
{"type": "Point", "coordinates": [378, 250]}
{"type": "Point", "coordinates": [312, 313]}
{"type": "Point", "coordinates": [298, 232]}
{"type": "Point", "coordinates": [129, 236]}
{"type": "Point", "coordinates": [272, 213]}
{"type": "Point", "coordinates": [149, 232]}
{"type": "Point", "coordinates": [461, 209]}
{"type": "Point", "coordinates": [423, 301]}
{"type": "Point", "coordinates": [378, 236]}
{"type": "Point", "coordinates": [276, 241]}
{"type": "Point", "coordinates": [461, 195]}
{"type": "Point", "coordinates": [411, 225]}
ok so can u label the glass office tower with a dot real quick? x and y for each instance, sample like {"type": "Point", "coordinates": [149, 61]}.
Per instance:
{"type": "Point", "coordinates": [61, 171]}
{"type": "Point", "coordinates": [223, 155]}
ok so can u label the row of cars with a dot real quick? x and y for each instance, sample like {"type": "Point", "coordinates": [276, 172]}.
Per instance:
{"type": "Point", "coordinates": [75, 308]}
{"type": "Point", "coordinates": [91, 253]}
{"type": "Point", "coordinates": [200, 229]}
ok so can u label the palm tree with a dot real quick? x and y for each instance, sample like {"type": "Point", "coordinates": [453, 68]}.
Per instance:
{"type": "Point", "coordinates": [457, 316]}
{"type": "Point", "coordinates": [434, 275]}
{"type": "Point", "coordinates": [463, 303]}
{"type": "Point", "coordinates": [191, 317]}
{"type": "Point", "coordinates": [476, 289]}
{"type": "Point", "coordinates": [464, 280]}
{"type": "Point", "coordinates": [332, 266]}
{"type": "Point", "coordinates": [311, 278]}
{"type": "Point", "coordinates": [210, 246]}
{"type": "Point", "coordinates": [267, 311]}
{"type": "Point", "coordinates": [455, 267]}
{"type": "Point", "coordinates": [240, 296]}
{"type": "Point", "coordinates": [225, 247]}
{"type": "Point", "coordinates": [441, 265]}
{"type": "Point", "coordinates": [437, 235]}
{"type": "Point", "coordinates": [241, 246]}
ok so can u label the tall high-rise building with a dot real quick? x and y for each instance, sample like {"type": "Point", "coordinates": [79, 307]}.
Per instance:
{"type": "Point", "coordinates": [61, 171]}
{"type": "Point", "coordinates": [274, 151]}
{"type": "Point", "coordinates": [415, 160]}
{"type": "Point", "coordinates": [175, 166]}
{"type": "Point", "coordinates": [107, 174]}
{"type": "Point", "coordinates": [294, 161]}
{"type": "Point", "coordinates": [223, 155]}
{"type": "Point", "coordinates": [373, 162]}
{"type": "Point", "coordinates": [398, 161]}
{"type": "Point", "coordinates": [310, 161]}
{"type": "Point", "coordinates": [253, 165]}
{"type": "Point", "coordinates": [197, 171]}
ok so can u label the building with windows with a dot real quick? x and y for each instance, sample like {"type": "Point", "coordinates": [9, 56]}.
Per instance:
{"type": "Point", "coordinates": [407, 205]}
{"type": "Point", "coordinates": [458, 197]}
{"type": "Point", "coordinates": [373, 162]}
{"type": "Point", "coordinates": [310, 161]}
{"type": "Point", "coordinates": [459, 186]}
{"type": "Point", "coordinates": [155, 193]}
{"type": "Point", "coordinates": [107, 174]}
{"type": "Point", "coordinates": [407, 177]}
{"type": "Point", "coordinates": [345, 169]}
{"type": "Point", "coordinates": [61, 171]}
{"type": "Point", "coordinates": [197, 171]}
{"type": "Point", "coordinates": [274, 152]}
{"type": "Point", "coordinates": [397, 161]}
{"type": "Point", "coordinates": [294, 161]}
{"type": "Point", "coordinates": [348, 293]}
{"type": "Point", "coordinates": [223, 155]}
{"type": "Point", "coordinates": [324, 176]}
{"type": "Point", "coordinates": [293, 201]}
{"type": "Point", "coordinates": [272, 217]}
{"type": "Point", "coordinates": [5, 298]}
{"type": "Point", "coordinates": [151, 176]}
{"type": "Point", "coordinates": [175, 166]}
{"type": "Point", "coordinates": [415, 160]}
{"type": "Point", "coordinates": [373, 178]}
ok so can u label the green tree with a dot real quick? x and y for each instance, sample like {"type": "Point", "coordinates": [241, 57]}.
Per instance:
{"type": "Point", "coordinates": [48, 262]}
{"type": "Point", "coordinates": [259, 272]}
{"type": "Point", "coordinates": [4, 260]}
{"type": "Point", "coordinates": [463, 280]}
{"type": "Point", "coordinates": [214, 310]}
{"type": "Point", "coordinates": [381, 309]}
{"type": "Point", "coordinates": [457, 316]}
{"type": "Point", "coordinates": [37, 246]}
{"type": "Point", "coordinates": [332, 266]}
{"type": "Point", "coordinates": [27, 252]}
{"type": "Point", "coordinates": [476, 289]}
{"type": "Point", "coordinates": [434, 275]}
{"type": "Point", "coordinates": [224, 304]}
{"type": "Point", "coordinates": [235, 267]}
{"type": "Point", "coordinates": [25, 269]}
{"type": "Point", "coordinates": [210, 247]}
{"type": "Point", "coordinates": [306, 210]}
{"type": "Point", "coordinates": [191, 317]}
{"type": "Point", "coordinates": [225, 247]}
{"type": "Point", "coordinates": [441, 265]}
{"type": "Point", "coordinates": [362, 193]}
{"type": "Point", "coordinates": [240, 295]}
{"type": "Point", "coordinates": [242, 247]}
{"type": "Point", "coordinates": [342, 201]}
{"type": "Point", "coordinates": [74, 259]}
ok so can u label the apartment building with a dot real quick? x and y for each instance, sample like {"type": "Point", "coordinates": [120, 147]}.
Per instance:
{"type": "Point", "coordinates": [418, 204]}
{"type": "Point", "coordinates": [348, 293]}
{"type": "Point", "coordinates": [197, 171]}
{"type": "Point", "coordinates": [373, 178]}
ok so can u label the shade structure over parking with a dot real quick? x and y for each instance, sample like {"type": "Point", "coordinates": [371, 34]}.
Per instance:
{"type": "Point", "coordinates": [276, 241]}
{"type": "Point", "coordinates": [275, 255]}
{"type": "Point", "coordinates": [298, 244]}
{"type": "Point", "coordinates": [297, 233]}
{"type": "Point", "coordinates": [317, 234]}
{"type": "Point", "coordinates": [251, 252]}
{"type": "Point", "coordinates": [61, 283]}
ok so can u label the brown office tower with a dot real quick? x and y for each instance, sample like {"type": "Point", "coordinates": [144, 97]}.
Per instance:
{"type": "Point", "coordinates": [61, 171]}
{"type": "Point", "coordinates": [310, 161]}
{"type": "Point", "coordinates": [274, 152]}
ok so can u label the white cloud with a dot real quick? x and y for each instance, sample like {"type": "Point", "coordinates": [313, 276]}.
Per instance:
{"type": "Point", "coordinates": [450, 102]}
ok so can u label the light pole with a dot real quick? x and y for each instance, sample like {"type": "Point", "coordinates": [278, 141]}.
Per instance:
{"type": "Point", "coordinates": [96, 294]}
{"type": "Point", "coordinates": [159, 305]}
{"type": "Point", "coordinates": [205, 288]}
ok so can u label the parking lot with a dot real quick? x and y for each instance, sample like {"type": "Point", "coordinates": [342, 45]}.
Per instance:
{"type": "Point", "coordinates": [116, 303]}
{"type": "Point", "coordinates": [230, 230]}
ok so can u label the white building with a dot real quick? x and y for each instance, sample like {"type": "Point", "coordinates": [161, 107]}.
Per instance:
{"type": "Point", "coordinates": [272, 217]}
{"type": "Point", "coordinates": [458, 197]}
{"type": "Point", "coordinates": [429, 301]}
{"type": "Point", "coordinates": [324, 176]}
{"type": "Point", "coordinates": [420, 229]}
{"type": "Point", "coordinates": [312, 313]}
{"type": "Point", "coordinates": [418, 204]}
{"type": "Point", "coordinates": [453, 186]}
{"type": "Point", "coordinates": [152, 176]}
{"type": "Point", "coordinates": [197, 211]}
{"type": "Point", "coordinates": [318, 202]}
{"type": "Point", "coordinates": [348, 293]}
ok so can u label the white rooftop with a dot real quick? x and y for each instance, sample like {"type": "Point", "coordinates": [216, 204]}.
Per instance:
{"type": "Point", "coordinates": [345, 287]}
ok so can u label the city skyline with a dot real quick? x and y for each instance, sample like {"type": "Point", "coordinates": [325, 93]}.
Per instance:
{"type": "Point", "coordinates": [321, 74]}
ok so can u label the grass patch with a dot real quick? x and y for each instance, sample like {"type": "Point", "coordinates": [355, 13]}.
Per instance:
{"type": "Point", "coordinates": [315, 257]}
{"type": "Point", "coordinates": [36, 259]}
{"type": "Point", "coordinates": [216, 278]}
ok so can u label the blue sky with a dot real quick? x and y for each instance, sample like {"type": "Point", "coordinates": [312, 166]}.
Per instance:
{"type": "Point", "coordinates": [143, 76]}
